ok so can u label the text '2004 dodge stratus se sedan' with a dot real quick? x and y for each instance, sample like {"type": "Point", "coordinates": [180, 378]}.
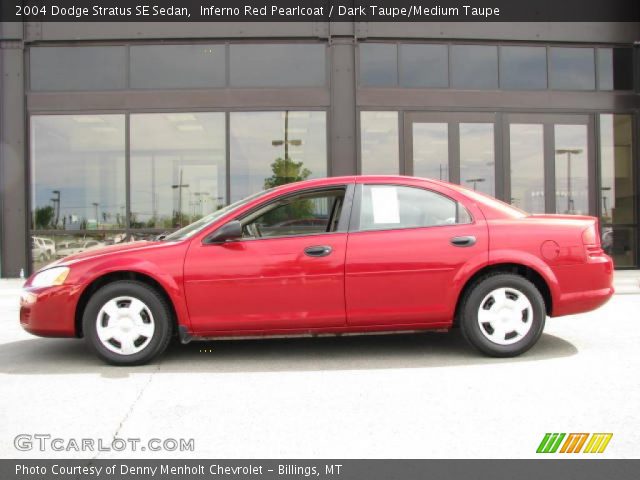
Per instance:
{"type": "Point", "coordinates": [338, 255]}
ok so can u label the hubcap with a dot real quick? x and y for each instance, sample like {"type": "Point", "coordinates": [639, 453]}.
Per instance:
{"type": "Point", "coordinates": [505, 316]}
{"type": "Point", "coordinates": [125, 325]}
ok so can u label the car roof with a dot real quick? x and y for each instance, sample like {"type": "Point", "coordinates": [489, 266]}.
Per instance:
{"type": "Point", "coordinates": [401, 179]}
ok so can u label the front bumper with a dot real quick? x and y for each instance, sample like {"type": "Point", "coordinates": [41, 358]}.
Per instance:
{"type": "Point", "coordinates": [49, 311]}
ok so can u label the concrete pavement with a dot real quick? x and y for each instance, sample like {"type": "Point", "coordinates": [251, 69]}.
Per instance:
{"type": "Point", "coordinates": [400, 396]}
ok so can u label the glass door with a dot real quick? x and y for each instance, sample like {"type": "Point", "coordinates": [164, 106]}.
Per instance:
{"type": "Point", "coordinates": [550, 163]}
{"type": "Point", "coordinates": [456, 147]}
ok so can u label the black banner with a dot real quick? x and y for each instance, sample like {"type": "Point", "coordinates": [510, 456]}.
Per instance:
{"type": "Point", "coordinates": [324, 469]}
{"type": "Point", "coordinates": [321, 10]}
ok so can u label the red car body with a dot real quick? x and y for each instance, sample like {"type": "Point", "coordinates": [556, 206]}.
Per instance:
{"type": "Point", "coordinates": [404, 279]}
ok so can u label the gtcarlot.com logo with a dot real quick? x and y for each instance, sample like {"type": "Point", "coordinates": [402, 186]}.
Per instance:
{"type": "Point", "coordinates": [574, 442]}
{"type": "Point", "coordinates": [43, 442]}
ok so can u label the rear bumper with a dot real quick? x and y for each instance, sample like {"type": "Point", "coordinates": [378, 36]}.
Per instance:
{"type": "Point", "coordinates": [49, 312]}
{"type": "Point", "coordinates": [584, 287]}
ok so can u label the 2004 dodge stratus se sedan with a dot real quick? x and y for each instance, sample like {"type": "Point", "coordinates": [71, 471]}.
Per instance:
{"type": "Point", "coordinates": [337, 255]}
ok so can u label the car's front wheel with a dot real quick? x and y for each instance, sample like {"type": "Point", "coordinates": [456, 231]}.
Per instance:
{"type": "Point", "coordinates": [502, 315]}
{"type": "Point", "coordinates": [127, 323]}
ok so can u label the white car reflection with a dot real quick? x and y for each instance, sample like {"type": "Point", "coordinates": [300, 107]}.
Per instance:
{"type": "Point", "coordinates": [70, 248]}
{"type": "Point", "coordinates": [42, 249]}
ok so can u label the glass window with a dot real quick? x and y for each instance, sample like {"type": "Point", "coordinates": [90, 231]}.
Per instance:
{"type": "Point", "coordinates": [273, 148]}
{"type": "Point", "coordinates": [305, 214]}
{"type": "Point", "coordinates": [431, 150]}
{"type": "Point", "coordinates": [281, 65]}
{"type": "Point", "coordinates": [379, 143]}
{"type": "Point", "coordinates": [526, 155]}
{"type": "Point", "coordinates": [474, 67]}
{"type": "Point", "coordinates": [49, 248]}
{"type": "Point", "coordinates": [615, 69]}
{"type": "Point", "coordinates": [378, 64]}
{"type": "Point", "coordinates": [177, 66]}
{"type": "Point", "coordinates": [572, 69]}
{"type": "Point", "coordinates": [78, 68]}
{"type": "Point", "coordinates": [424, 65]}
{"type": "Point", "coordinates": [77, 172]}
{"type": "Point", "coordinates": [386, 207]}
{"type": "Point", "coordinates": [477, 157]}
{"type": "Point", "coordinates": [572, 172]}
{"type": "Point", "coordinates": [523, 68]}
{"type": "Point", "coordinates": [617, 189]}
{"type": "Point", "coordinates": [616, 167]}
{"type": "Point", "coordinates": [620, 243]}
{"type": "Point", "coordinates": [178, 171]}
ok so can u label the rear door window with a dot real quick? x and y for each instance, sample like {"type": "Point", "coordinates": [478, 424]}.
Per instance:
{"type": "Point", "coordinates": [386, 207]}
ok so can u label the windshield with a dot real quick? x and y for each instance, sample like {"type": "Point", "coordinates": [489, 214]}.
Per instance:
{"type": "Point", "coordinates": [195, 227]}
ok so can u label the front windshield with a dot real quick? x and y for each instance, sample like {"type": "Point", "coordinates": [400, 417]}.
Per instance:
{"type": "Point", "coordinates": [195, 227]}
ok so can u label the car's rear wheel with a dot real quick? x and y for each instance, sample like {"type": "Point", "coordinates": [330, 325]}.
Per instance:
{"type": "Point", "coordinates": [502, 315]}
{"type": "Point", "coordinates": [127, 323]}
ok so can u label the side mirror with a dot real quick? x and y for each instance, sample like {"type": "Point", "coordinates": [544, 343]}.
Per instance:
{"type": "Point", "coordinates": [229, 231]}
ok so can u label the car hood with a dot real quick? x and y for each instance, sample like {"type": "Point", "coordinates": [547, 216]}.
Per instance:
{"type": "Point", "coordinates": [110, 250]}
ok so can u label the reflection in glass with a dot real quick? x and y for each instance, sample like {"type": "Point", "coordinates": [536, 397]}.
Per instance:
{"type": "Point", "coordinates": [526, 154]}
{"type": "Point", "coordinates": [431, 150]}
{"type": "Point", "coordinates": [615, 68]}
{"type": "Point", "coordinates": [477, 157]}
{"type": "Point", "coordinates": [424, 65]}
{"type": "Point", "coordinates": [620, 243]}
{"type": "Point", "coordinates": [523, 68]}
{"type": "Point", "coordinates": [378, 64]}
{"type": "Point", "coordinates": [379, 143]}
{"type": "Point", "coordinates": [177, 168]}
{"type": "Point", "coordinates": [77, 172]}
{"type": "Point", "coordinates": [78, 68]}
{"type": "Point", "coordinates": [474, 66]}
{"type": "Point", "coordinates": [177, 66]}
{"type": "Point", "coordinates": [617, 189]}
{"type": "Point", "coordinates": [572, 172]}
{"type": "Point", "coordinates": [273, 148]}
{"type": "Point", "coordinates": [277, 65]}
{"type": "Point", "coordinates": [49, 248]}
{"type": "Point", "coordinates": [572, 68]}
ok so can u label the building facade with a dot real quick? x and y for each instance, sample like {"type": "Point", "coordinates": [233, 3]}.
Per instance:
{"type": "Point", "coordinates": [118, 131]}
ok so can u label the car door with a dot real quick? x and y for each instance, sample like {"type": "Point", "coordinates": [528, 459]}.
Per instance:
{"type": "Point", "coordinates": [285, 274]}
{"type": "Point", "coordinates": [407, 252]}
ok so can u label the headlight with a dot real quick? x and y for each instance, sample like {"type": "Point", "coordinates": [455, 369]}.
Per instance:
{"type": "Point", "coordinates": [50, 277]}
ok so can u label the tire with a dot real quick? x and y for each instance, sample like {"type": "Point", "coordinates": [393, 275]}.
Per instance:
{"type": "Point", "coordinates": [502, 315]}
{"type": "Point", "coordinates": [127, 323]}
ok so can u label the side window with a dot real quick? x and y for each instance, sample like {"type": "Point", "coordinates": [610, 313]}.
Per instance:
{"type": "Point", "coordinates": [386, 207]}
{"type": "Point", "coordinates": [303, 214]}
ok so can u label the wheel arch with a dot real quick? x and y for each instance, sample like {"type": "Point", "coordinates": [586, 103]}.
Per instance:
{"type": "Point", "coordinates": [526, 271]}
{"type": "Point", "coordinates": [115, 276]}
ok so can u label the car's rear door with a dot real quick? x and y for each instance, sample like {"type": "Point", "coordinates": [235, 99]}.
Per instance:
{"type": "Point", "coordinates": [409, 250]}
{"type": "Point", "coordinates": [283, 275]}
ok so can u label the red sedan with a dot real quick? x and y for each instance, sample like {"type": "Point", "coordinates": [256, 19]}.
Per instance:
{"type": "Point", "coordinates": [332, 256]}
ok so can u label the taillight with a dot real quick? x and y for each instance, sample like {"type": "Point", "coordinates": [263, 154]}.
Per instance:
{"type": "Point", "coordinates": [591, 239]}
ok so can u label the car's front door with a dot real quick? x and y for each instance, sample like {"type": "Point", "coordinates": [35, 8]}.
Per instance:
{"type": "Point", "coordinates": [406, 249]}
{"type": "Point", "coordinates": [286, 273]}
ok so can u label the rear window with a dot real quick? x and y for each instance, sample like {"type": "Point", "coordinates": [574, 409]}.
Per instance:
{"type": "Point", "coordinates": [493, 203]}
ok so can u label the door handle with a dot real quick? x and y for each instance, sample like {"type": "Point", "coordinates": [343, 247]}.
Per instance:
{"type": "Point", "coordinates": [464, 241]}
{"type": "Point", "coordinates": [318, 251]}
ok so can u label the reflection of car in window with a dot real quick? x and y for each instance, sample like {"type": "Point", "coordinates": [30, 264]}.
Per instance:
{"type": "Point", "coordinates": [42, 249]}
{"type": "Point", "coordinates": [70, 248]}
